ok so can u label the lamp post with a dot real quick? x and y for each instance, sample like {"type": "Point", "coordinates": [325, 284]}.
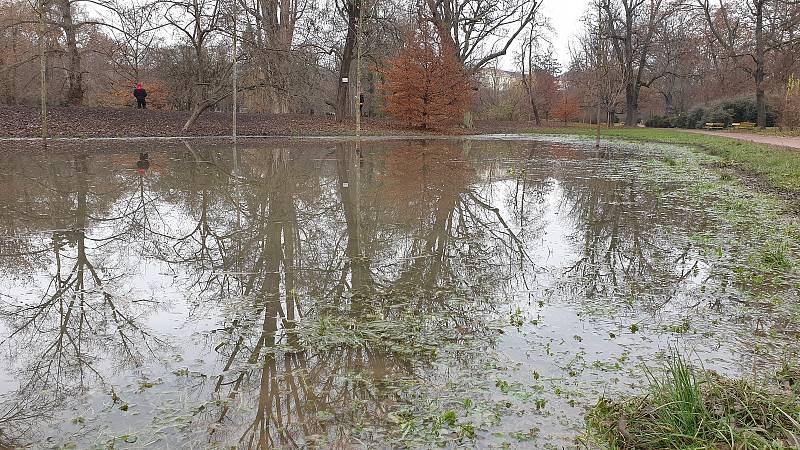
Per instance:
{"type": "Point", "coordinates": [235, 70]}
{"type": "Point", "coordinates": [42, 72]}
{"type": "Point", "coordinates": [359, 25]}
{"type": "Point", "coordinates": [597, 71]}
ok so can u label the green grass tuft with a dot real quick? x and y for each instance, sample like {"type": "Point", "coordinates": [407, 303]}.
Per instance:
{"type": "Point", "coordinates": [775, 257]}
{"type": "Point", "coordinates": [687, 409]}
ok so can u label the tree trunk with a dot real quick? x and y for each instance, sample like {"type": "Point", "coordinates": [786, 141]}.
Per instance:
{"type": "Point", "coordinates": [631, 105]}
{"type": "Point", "coordinates": [220, 93]}
{"type": "Point", "coordinates": [199, 88]}
{"type": "Point", "coordinates": [74, 73]}
{"type": "Point", "coordinates": [198, 109]}
{"type": "Point", "coordinates": [342, 91]}
{"type": "Point", "coordinates": [279, 91]}
{"type": "Point", "coordinates": [11, 74]}
{"type": "Point", "coordinates": [278, 101]}
{"type": "Point", "coordinates": [527, 80]}
{"type": "Point", "coordinates": [670, 108]}
{"type": "Point", "coordinates": [535, 110]}
{"type": "Point", "coordinates": [761, 107]}
{"type": "Point", "coordinates": [631, 91]}
{"type": "Point", "coordinates": [194, 114]}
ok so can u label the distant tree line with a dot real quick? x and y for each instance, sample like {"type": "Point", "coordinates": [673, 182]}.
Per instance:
{"type": "Point", "coordinates": [640, 58]}
{"type": "Point", "coordinates": [632, 59]}
{"type": "Point", "coordinates": [293, 56]}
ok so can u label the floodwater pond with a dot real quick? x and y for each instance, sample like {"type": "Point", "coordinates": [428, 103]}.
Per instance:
{"type": "Point", "coordinates": [382, 294]}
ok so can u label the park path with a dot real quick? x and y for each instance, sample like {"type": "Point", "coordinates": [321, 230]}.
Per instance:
{"type": "Point", "coordinates": [784, 141]}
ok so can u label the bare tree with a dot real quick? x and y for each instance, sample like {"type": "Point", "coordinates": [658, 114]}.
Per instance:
{"type": "Point", "coordinates": [530, 62]}
{"type": "Point", "coordinates": [632, 28]}
{"type": "Point", "coordinates": [675, 47]}
{"type": "Point", "coordinates": [198, 23]}
{"type": "Point", "coordinates": [473, 25]}
{"type": "Point", "coordinates": [751, 31]}
{"type": "Point", "coordinates": [66, 16]}
{"type": "Point", "coordinates": [271, 28]}
{"type": "Point", "coordinates": [135, 33]}
{"type": "Point", "coordinates": [350, 10]}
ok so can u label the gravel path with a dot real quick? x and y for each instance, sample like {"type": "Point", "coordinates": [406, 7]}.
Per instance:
{"type": "Point", "coordinates": [784, 141]}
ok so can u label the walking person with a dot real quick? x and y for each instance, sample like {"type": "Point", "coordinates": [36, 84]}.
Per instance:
{"type": "Point", "coordinates": [140, 95]}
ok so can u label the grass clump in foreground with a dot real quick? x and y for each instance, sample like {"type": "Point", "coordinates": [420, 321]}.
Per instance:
{"type": "Point", "coordinates": [688, 409]}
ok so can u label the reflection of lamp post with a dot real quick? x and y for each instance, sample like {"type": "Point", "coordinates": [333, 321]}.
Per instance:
{"type": "Point", "coordinates": [236, 171]}
{"type": "Point", "coordinates": [236, 177]}
{"type": "Point", "coordinates": [142, 166]}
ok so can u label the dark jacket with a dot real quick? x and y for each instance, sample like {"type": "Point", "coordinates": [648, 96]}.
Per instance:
{"type": "Point", "coordinates": [140, 94]}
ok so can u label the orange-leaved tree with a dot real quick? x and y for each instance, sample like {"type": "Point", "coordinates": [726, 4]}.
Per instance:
{"type": "Point", "coordinates": [567, 108]}
{"type": "Point", "coordinates": [426, 85]}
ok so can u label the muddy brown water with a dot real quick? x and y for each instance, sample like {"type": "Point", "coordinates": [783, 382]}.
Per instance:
{"type": "Point", "coordinates": [328, 294]}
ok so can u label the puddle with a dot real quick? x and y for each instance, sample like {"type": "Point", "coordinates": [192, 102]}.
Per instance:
{"type": "Point", "coordinates": [328, 294]}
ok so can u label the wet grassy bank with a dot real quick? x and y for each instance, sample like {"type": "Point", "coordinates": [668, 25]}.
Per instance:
{"type": "Point", "coordinates": [778, 166]}
{"type": "Point", "coordinates": [754, 189]}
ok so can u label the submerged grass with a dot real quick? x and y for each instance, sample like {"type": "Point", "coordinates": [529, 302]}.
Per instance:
{"type": "Point", "coordinates": [689, 409]}
{"type": "Point", "coordinates": [779, 166]}
{"type": "Point", "coordinates": [776, 257]}
{"type": "Point", "coordinates": [762, 251]}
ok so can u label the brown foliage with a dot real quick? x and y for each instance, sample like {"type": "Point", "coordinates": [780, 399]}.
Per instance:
{"type": "Point", "coordinates": [567, 108]}
{"type": "Point", "coordinates": [545, 87]}
{"type": "Point", "coordinates": [122, 95]}
{"type": "Point", "coordinates": [426, 85]}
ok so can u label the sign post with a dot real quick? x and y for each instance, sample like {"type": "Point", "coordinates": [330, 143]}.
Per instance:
{"type": "Point", "coordinates": [358, 67]}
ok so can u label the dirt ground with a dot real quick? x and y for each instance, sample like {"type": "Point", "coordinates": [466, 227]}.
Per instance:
{"type": "Point", "coordinates": [23, 121]}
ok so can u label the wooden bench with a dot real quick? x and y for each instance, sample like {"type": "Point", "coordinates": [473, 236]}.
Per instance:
{"type": "Point", "coordinates": [743, 125]}
{"type": "Point", "coordinates": [714, 125]}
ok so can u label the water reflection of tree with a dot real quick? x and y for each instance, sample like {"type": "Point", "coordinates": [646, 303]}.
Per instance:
{"type": "Point", "coordinates": [330, 239]}
{"type": "Point", "coordinates": [627, 236]}
{"type": "Point", "coordinates": [263, 239]}
{"type": "Point", "coordinates": [448, 215]}
{"type": "Point", "coordinates": [59, 333]}
{"type": "Point", "coordinates": [262, 353]}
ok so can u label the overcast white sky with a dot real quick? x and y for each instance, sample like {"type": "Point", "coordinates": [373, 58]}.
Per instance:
{"type": "Point", "coordinates": [565, 19]}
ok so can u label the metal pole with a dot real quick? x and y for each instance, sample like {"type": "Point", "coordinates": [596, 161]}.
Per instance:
{"type": "Point", "coordinates": [235, 70]}
{"type": "Point", "coordinates": [42, 72]}
{"type": "Point", "coordinates": [599, 51]}
{"type": "Point", "coordinates": [358, 67]}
